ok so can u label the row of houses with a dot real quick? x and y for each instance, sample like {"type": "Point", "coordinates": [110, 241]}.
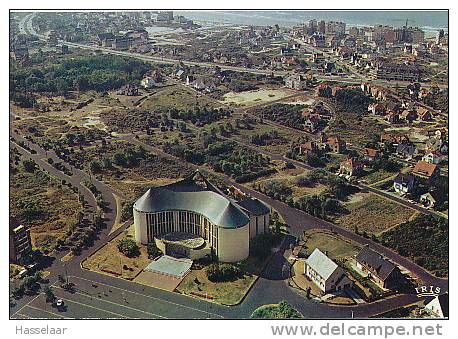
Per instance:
{"type": "Point", "coordinates": [324, 143]}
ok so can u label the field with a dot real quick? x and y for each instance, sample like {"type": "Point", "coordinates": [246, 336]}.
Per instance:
{"type": "Point", "coordinates": [288, 177]}
{"type": "Point", "coordinates": [356, 131]}
{"type": "Point", "coordinates": [42, 202]}
{"type": "Point", "coordinates": [109, 260]}
{"type": "Point", "coordinates": [334, 245]}
{"type": "Point", "coordinates": [279, 145]}
{"type": "Point", "coordinates": [373, 214]}
{"type": "Point", "coordinates": [249, 98]}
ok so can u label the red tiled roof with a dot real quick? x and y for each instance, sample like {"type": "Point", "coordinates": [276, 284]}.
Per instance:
{"type": "Point", "coordinates": [424, 168]}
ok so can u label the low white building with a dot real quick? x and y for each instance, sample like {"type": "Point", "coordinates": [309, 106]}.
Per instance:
{"type": "Point", "coordinates": [325, 273]}
{"type": "Point", "coordinates": [432, 157]}
{"type": "Point", "coordinates": [438, 306]}
{"type": "Point", "coordinates": [148, 82]}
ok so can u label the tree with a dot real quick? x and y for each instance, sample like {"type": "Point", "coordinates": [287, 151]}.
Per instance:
{"type": "Point", "coordinates": [61, 279]}
{"type": "Point", "coordinates": [50, 297]}
{"type": "Point", "coordinates": [128, 247]}
{"type": "Point", "coordinates": [152, 250]}
{"type": "Point", "coordinates": [29, 165]}
{"type": "Point", "coordinates": [95, 167]}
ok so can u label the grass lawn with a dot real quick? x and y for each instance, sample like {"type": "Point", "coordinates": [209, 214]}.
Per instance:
{"type": "Point", "coordinates": [227, 293]}
{"type": "Point", "coordinates": [108, 259]}
{"type": "Point", "coordinates": [301, 280]}
{"type": "Point", "coordinates": [380, 175]}
{"type": "Point", "coordinates": [373, 214]}
{"type": "Point", "coordinates": [336, 246]}
{"type": "Point", "coordinates": [249, 98]}
{"type": "Point", "coordinates": [341, 300]}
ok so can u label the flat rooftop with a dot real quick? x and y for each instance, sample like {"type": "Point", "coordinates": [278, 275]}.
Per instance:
{"type": "Point", "coordinates": [170, 266]}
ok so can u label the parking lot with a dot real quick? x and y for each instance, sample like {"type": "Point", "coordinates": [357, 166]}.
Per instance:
{"type": "Point", "coordinates": [95, 300]}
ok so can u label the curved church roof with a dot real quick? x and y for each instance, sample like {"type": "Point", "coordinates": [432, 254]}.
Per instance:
{"type": "Point", "coordinates": [187, 195]}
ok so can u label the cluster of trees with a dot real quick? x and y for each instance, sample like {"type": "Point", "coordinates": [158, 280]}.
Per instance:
{"type": "Point", "coordinates": [97, 72]}
{"type": "Point", "coordinates": [266, 138]}
{"type": "Point", "coordinates": [200, 116]}
{"type": "Point", "coordinates": [127, 210]}
{"type": "Point", "coordinates": [218, 272]}
{"type": "Point", "coordinates": [352, 100]}
{"type": "Point", "coordinates": [276, 189]}
{"type": "Point", "coordinates": [244, 165]}
{"type": "Point", "coordinates": [130, 156]}
{"type": "Point", "coordinates": [241, 86]}
{"type": "Point", "coordinates": [288, 115]}
{"type": "Point", "coordinates": [29, 285]}
{"type": "Point", "coordinates": [425, 239]}
{"type": "Point", "coordinates": [128, 247]}
{"type": "Point", "coordinates": [283, 310]}
{"type": "Point", "coordinates": [438, 101]}
{"type": "Point", "coordinates": [190, 153]}
{"type": "Point", "coordinates": [318, 205]}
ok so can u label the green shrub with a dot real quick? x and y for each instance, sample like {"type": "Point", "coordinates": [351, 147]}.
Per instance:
{"type": "Point", "coordinates": [222, 272]}
{"type": "Point", "coordinates": [283, 310]}
{"type": "Point", "coordinates": [128, 247]}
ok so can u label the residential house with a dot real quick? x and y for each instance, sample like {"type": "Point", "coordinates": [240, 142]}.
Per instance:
{"type": "Point", "coordinates": [377, 108]}
{"type": "Point", "coordinates": [20, 53]}
{"type": "Point", "coordinates": [318, 58]}
{"type": "Point", "coordinates": [20, 242]}
{"type": "Point", "coordinates": [433, 157]}
{"type": "Point", "coordinates": [409, 115]}
{"type": "Point", "coordinates": [307, 147]}
{"type": "Point", "coordinates": [425, 170]}
{"type": "Point", "coordinates": [312, 122]}
{"type": "Point", "coordinates": [325, 273]}
{"type": "Point", "coordinates": [392, 117]}
{"type": "Point", "coordinates": [296, 81]}
{"type": "Point", "coordinates": [424, 114]}
{"type": "Point", "coordinates": [437, 307]}
{"type": "Point", "coordinates": [148, 82]}
{"type": "Point", "coordinates": [404, 183]}
{"type": "Point", "coordinates": [204, 84]}
{"type": "Point", "coordinates": [350, 167]}
{"type": "Point", "coordinates": [370, 154]}
{"type": "Point", "coordinates": [380, 270]}
{"type": "Point", "coordinates": [336, 145]}
{"type": "Point", "coordinates": [129, 90]}
{"type": "Point", "coordinates": [435, 144]}
{"type": "Point", "coordinates": [324, 90]}
{"type": "Point", "coordinates": [430, 199]}
{"type": "Point", "coordinates": [407, 150]}
{"type": "Point", "coordinates": [394, 138]}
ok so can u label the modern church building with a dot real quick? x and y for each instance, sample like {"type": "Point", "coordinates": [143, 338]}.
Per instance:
{"type": "Point", "coordinates": [176, 215]}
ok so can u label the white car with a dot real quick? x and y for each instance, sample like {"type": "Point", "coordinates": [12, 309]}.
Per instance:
{"type": "Point", "coordinates": [59, 303]}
